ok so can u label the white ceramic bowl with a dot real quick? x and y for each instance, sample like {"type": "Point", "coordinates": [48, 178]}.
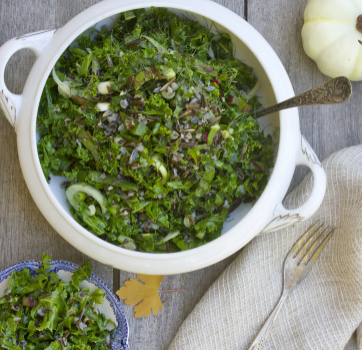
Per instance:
{"type": "Point", "coordinates": [248, 221]}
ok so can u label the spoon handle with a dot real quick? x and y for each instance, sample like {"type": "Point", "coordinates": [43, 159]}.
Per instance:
{"type": "Point", "coordinates": [337, 90]}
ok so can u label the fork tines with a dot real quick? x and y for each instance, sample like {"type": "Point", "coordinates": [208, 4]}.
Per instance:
{"type": "Point", "coordinates": [304, 251]}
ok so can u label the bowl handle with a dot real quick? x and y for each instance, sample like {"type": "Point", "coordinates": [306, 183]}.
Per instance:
{"type": "Point", "coordinates": [283, 217]}
{"type": "Point", "coordinates": [11, 103]}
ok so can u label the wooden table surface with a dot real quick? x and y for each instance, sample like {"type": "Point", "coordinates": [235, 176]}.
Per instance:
{"type": "Point", "coordinates": [25, 234]}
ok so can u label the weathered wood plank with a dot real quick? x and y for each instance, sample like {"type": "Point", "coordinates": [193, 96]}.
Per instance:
{"type": "Point", "coordinates": [237, 6]}
{"type": "Point", "coordinates": [327, 128]}
{"type": "Point", "coordinates": [24, 232]}
{"type": "Point", "coordinates": [157, 332]}
{"type": "Point", "coordinates": [67, 9]}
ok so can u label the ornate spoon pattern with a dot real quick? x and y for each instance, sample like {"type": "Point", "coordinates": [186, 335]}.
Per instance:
{"type": "Point", "coordinates": [337, 90]}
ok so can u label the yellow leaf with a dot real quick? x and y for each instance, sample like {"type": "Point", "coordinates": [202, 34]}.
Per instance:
{"type": "Point", "coordinates": [144, 294]}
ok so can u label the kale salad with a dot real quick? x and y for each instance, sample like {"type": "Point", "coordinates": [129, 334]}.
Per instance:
{"type": "Point", "coordinates": [42, 312]}
{"type": "Point", "coordinates": [152, 125]}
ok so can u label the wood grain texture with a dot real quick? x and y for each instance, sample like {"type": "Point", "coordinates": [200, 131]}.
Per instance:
{"type": "Point", "coordinates": [327, 128]}
{"type": "Point", "coordinates": [237, 6]}
{"type": "Point", "coordinates": [157, 332]}
{"type": "Point", "coordinates": [24, 232]}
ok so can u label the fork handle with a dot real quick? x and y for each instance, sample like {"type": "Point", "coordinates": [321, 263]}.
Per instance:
{"type": "Point", "coordinates": [262, 336]}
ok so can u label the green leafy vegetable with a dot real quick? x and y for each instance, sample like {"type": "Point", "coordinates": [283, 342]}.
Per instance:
{"type": "Point", "coordinates": [87, 60]}
{"type": "Point", "coordinates": [151, 124]}
{"type": "Point", "coordinates": [43, 312]}
{"type": "Point", "coordinates": [81, 274]}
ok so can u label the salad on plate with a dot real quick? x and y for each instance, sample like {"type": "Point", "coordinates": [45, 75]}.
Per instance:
{"type": "Point", "coordinates": [40, 311]}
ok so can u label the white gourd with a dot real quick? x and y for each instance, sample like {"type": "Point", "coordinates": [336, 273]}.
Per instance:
{"type": "Point", "coordinates": [332, 36]}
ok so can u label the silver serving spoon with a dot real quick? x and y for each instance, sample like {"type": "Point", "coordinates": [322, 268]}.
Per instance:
{"type": "Point", "coordinates": [337, 90]}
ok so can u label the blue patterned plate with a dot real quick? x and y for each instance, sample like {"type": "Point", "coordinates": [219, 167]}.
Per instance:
{"type": "Point", "coordinates": [111, 307]}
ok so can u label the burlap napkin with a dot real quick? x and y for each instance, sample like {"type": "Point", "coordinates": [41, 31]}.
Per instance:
{"type": "Point", "coordinates": [325, 309]}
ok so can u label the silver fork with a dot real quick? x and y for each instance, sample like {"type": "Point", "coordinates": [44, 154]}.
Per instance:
{"type": "Point", "coordinates": [297, 264]}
